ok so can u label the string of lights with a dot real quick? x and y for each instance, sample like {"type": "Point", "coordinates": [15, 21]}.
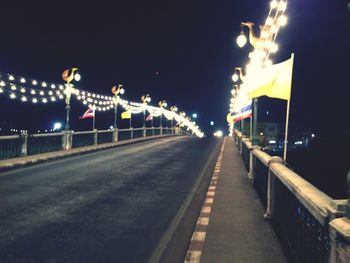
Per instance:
{"type": "Point", "coordinates": [31, 90]}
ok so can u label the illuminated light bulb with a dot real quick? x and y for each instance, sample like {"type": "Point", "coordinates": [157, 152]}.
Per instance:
{"type": "Point", "coordinates": [89, 94]}
{"type": "Point", "coordinates": [34, 82]}
{"type": "Point", "coordinates": [274, 29]}
{"type": "Point", "coordinates": [53, 86]}
{"type": "Point", "coordinates": [264, 34]}
{"type": "Point", "coordinates": [50, 93]}
{"type": "Point", "coordinates": [241, 39]}
{"type": "Point", "coordinates": [12, 96]}
{"type": "Point", "coordinates": [89, 100]}
{"type": "Point", "coordinates": [273, 47]}
{"type": "Point", "coordinates": [282, 20]}
{"type": "Point", "coordinates": [44, 100]}
{"type": "Point", "coordinates": [84, 102]}
{"type": "Point", "coordinates": [32, 92]}
{"type": "Point", "coordinates": [60, 87]}
{"type": "Point", "coordinates": [102, 97]}
{"type": "Point", "coordinates": [34, 100]}
{"type": "Point", "coordinates": [1, 90]}
{"type": "Point", "coordinates": [24, 99]}
{"type": "Point", "coordinates": [122, 91]}
{"type": "Point", "coordinates": [235, 77]}
{"type": "Point", "coordinates": [13, 87]}
{"type": "Point", "coordinates": [273, 4]}
{"type": "Point", "coordinates": [77, 77]}
{"type": "Point", "coordinates": [104, 109]}
{"type": "Point", "coordinates": [44, 84]}
{"type": "Point", "coordinates": [61, 96]}
{"type": "Point", "coordinates": [269, 21]}
{"type": "Point", "coordinates": [79, 98]}
{"type": "Point", "coordinates": [282, 6]}
{"type": "Point", "coordinates": [23, 90]}
{"type": "Point", "coordinates": [23, 80]}
{"type": "Point", "coordinates": [232, 100]}
{"type": "Point", "coordinates": [93, 95]}
{"type": "Point", "coordinates": [53, 99]}
{"type": "Point", "coordinates": [233, 92]}
{"type": "Point", "coordinates": [100, 102]}
{"type": "Point", "coordinates": [83, 92]}
{"type": "Point", "coordinates": [41, 93]}
{"type": "Point", "coordinates": [104, 103]}
{"type": "Point", "coordinates": [58, 92]}
{"type": "Point", "coordinates": [95, 101]}
{"type": "Point", "coordinates": [98, 96]}
{"type": "Point", "coordinates": [11, 77]}
{"type": "Point", "coordinates": [2, 84]}
{"type": "Point", "coordinates": [268, 63]}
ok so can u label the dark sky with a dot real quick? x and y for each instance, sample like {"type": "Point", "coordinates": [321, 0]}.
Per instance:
{"type": "Point", "coordinates": [190, 43]}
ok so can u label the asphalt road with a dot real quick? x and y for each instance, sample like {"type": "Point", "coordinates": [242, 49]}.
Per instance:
{"type": "Point", "coordinates": [108, 206]}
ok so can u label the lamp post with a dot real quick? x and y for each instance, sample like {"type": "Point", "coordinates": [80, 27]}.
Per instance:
{"type": "Point", "coordinates": [145, 100]}
{"type": "Point", "coordinates": [68, 76]}
{"type": "Point", "coordinates": [161, 104]}
{"type": "Point", "coordinates": [173, 109]}
{"type": "Point", "coordinates": [116, 90]}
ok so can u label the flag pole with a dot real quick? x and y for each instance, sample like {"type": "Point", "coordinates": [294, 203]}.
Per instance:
{"type": "Point", "coordinates": [287, 124]}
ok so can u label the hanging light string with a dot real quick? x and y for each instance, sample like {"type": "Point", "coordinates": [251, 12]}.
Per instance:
{"type": "Point", "coordinates": [31, 90]}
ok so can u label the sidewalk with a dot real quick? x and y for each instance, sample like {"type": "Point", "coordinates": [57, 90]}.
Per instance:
{"type": "Point", "coordinates": [12, 163]}
{"type": "Point", "coordinates": [231, 226]}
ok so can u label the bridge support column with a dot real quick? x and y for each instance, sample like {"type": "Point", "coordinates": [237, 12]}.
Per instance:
{"type": "Point", "coordinates": [24, 146]}
{"type": "Point", "coordinates": [271, 188]}
{"type": "Point", "coordinates": [67, 140]}
{"type": "Point", "coordinates": [115, 134]}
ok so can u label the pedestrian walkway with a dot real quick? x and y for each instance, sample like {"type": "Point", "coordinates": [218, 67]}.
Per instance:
{"type": "Point", "coordinates": [9, 164]}
{"type": "Point", "coordinates": [231, 226]}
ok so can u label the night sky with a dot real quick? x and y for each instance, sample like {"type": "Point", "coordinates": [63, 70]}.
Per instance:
{"type": "Point", "coordinates": [191, 44]}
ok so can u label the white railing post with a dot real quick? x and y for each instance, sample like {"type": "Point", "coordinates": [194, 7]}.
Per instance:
{"type": "Point", "coordinates": [115, 134]}
{"type": "Point", "coordinates": [271, 188]}
{"type": "Point", "coordinates": [24, 145]}
{"type": "Point", "coordinates": [95, 137]}
{"type": "Point", "coordinates": [67, 140]}
{"type": "Point", "coordinates": [144, 132]}
{"type": "Point", "coordinates": [251, 162]}
{"type": "Point", "coordinates": [131, 133]}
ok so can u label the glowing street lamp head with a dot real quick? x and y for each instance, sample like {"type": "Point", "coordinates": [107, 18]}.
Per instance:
{"type": "Point", "coordinates": [235, 77]}
{"type": "Point", "coordinates": [241, 39]}
{"type": "Point", "coordinates": [77, 77]}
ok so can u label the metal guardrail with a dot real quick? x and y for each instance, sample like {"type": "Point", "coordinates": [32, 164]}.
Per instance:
{"type": "Point", "coordinates": [300, 213]}
{"type": "Point", "coordinates": [24, 144]}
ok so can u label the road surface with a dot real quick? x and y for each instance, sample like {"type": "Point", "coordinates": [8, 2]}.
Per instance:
{"type": "Point", "coordinates": [109, 206]}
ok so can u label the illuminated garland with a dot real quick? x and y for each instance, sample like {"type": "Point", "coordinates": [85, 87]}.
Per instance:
{"type": "Point", "coordinates": [30, 90]}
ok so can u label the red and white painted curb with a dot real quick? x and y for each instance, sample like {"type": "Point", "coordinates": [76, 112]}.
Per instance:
{"type": "Point", "coordinates": [195, 249]}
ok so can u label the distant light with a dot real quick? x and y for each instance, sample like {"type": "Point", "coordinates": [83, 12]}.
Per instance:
{"type": "Point", "coordinates": [298, 143]}
{"type": "Point", "coordinates": [211, 123]}
{"type": "Point", "coordinates": [272, 141]}
{"type": "Point", "coordinates": [261, 133]}
{"type": "Point", "coordinates": [313, 135]}
{"type": "Point", "coordinates": [57, 126]}
{"type": "Point", "coordinates": [218, 134]}
{"type": "Point", "coordinates": [194, 115]}
{"type": "Point", "coordinates": [267, 112]}
{"type": "Point", "coordinates": [111, 127]}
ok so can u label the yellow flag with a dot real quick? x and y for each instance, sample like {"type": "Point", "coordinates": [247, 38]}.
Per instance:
{"type": "Point", "coordinates": [274, 81]}
{"type": "Point", "coordinates": [126, 115]}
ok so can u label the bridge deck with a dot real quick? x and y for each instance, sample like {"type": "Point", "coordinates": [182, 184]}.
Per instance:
{"type": "Point", "coordinates": [237, 230]}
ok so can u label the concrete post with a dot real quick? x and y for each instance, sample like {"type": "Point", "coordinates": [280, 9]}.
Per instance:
{"type": "Point", "coordinates": [95, 137]}
{"type": "Point", "coordinates": [24, 146]}
{"type": "Point", "coordinates": [131, 133]}
{"type": "Point", "coordinates": [251, 163]}
{"type": "Point", "coordinates": [144, 132]}
{"type": "Point", "coordinates": [67, 140]}
{"type": "Point", "coordinates": [271, 188]}
{"type": "Point", "coordinates": [340, 240]}
{"type": "Point", "coordinates": [115, 135]}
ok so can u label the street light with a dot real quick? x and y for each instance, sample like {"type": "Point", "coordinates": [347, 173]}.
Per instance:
{"type": "Point", "coordinates": [241, 39]}
{"type": "Point", "coordinates": [194, 115]}
{"type": "Point", "coordinates": [116, 90]}
{"type": "Point", "coordinates": [145, 100]}
{"type": "Point", "coordinates": [68, 76]}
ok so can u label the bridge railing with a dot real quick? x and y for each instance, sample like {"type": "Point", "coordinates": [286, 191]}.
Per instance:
{"type": "Point", "coordinates": [29, 144]}
{"type": "Point", "coordinates": [309, 222]}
